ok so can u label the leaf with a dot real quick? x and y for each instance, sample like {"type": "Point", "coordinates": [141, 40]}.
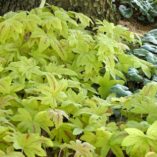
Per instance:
{"type": "Point", "coordinates": [43, 120]}
{"type": "Point", "coordinates": [31, 144]}
{"type": "Point", "coordinates": [106, 83]}
{"type": "Point", "coordinates": [7, 87]}
{"type": "Point", "coordinates": [150, 89]}
{"type": "Point", "coordinates": [134, 132]}
{"type": "Point", "coordinates": [151, 132]}
{"type": "Point", "coordinates": [63, 134]}
{"type": "Point", "coordinates": [84, 20]}
{"type": "Point", "coordinates": [77, 131]}
{"type": "Point", "coordinates": [53, 91]}
{"type": "Point", "coordinates": [24, 69]}
{"type": "Point", "coordinates": [25, 118]}
{"type": "Point", "coordinates": [58, 116]}
{"type": "Point", "coordinates": [117, 138]}
{"type": "Point", "coordinates": [125, 12]}
{"type": "Point", "coordinates": [11, 154]}
{"type": "Point", "coordinates": [146, 71]}
{"type": "Point", "coordinates": [60, 70]}
{"type": "Point", "coordinates": [117, 151]}
{"type": "Point", "coordinates": [120, 90]}
{"type": "Point", "coordinates": [151, 154]}
{"type": "Point", "coordinates": [133, 75]}
{"type": "Point", "coordinates": [89, 137]}
{"type": "Point", "coordinates": [103, 137]}
{"type": "Point", "coordinates": [81, 148]}
{"type": "Point", "coordinates": [133, 142]}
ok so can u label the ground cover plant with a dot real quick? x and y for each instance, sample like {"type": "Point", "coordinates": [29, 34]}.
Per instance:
{"type": "Point", "coordinates": [144, 10]}
{"type": "Point", "coordinates": [63, 88]}
{"type": "Point", "coordinates": [146, 51]}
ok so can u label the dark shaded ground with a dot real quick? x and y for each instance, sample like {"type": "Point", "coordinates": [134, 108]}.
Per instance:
{"type": "Point", "coordinates": [137, 27]}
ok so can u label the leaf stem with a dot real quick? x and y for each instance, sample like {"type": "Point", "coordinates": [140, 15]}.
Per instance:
{"type": "Point", "coordinates": [42, 4]}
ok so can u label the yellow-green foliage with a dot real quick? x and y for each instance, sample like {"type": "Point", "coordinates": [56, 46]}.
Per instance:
{"type": "Point", "coordinates": [49, 62]}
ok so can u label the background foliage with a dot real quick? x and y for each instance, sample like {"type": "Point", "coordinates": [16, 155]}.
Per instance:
{"type": "Point", "coordinates": [143, 10]}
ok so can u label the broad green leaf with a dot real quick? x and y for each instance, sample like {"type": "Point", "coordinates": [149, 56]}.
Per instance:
{"type": "Point", "coordinates": [134, 132]}
{"type": "Point", "coordinates": [151, 132]}
{"type": "Point", "coordinates": [106, 83]}
{"type": "Point", "coordinates": [117, 151]}
{"type": "Point", "coordinates": [11, 154]}
{"type": "Point", "coordinates": [133, 142]}
{"type": "Point", "coordinates": [81, 148]}
{"type": "Point", "coordinates": [151, 154]}
{"type": "Point", "coordinates": [31, 144]}
{"type": "Point", "coordinates": [126, 12]}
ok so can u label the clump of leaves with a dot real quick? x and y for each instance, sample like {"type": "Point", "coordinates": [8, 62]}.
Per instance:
{"type": "Point", "coordinates": [58, 82]}
{"type": "Point", "coordinates": [147, 52]}
{"type": "Point", "coordinates": [145, 9]}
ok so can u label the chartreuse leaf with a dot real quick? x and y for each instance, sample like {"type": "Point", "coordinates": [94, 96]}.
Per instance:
{"type": "Point", "coordinates": [53, 91]}
{"type": "Point", "coordinates": [63, 15]}
{"type": "Point", "coordinates": [138, 103]}
{"type": "Point", "coordinates": [117, 151]}
{"type": "Point", "coordinates": [25, 118]}
{"type": "Point", "coordinates": [5, 131]}
{"type": "Point", "coordinates": [77, 131]}
{"type": "Point", "coordinates": [33, 122]}
{"type": "Point", "coordinates": [106, 83]}
{"type": "Point", "coordinates": [84, 20]}
{"type": "Point", "coordinates": [115, 143]}
{"type": "Point", "coordinates": [102, 141]}
{"type": "Point", "coordinates": [137, 137]}
{"type": "Point", "coordinates": [130, 61]}
{"type": "Point", "coordinates": [59, 70]}
{"type": "Point", "coordinates": [115, 32]}
{"type": "Point", "coordinates": [151, 154]}
{"type": "Point", "coordinates": [25, 67]}
{"type": "Point", "coordinates": [151, 132]}
{"type": "Point", "coordinates": [7, 87]}
{"type": "Point", "coordinates": [81, 148]}
{"type": "Point", "coordinates": [63, 133]}
{"type": "Point", "coordinates": [10, 29]}
{"type": "Point", "coordinates": [89, 137]}
{"type": "Point", "coordinates": [31, 144]}
{"type": "Point", "coordinates": [150, 90]}
{"type": "Point", "coordinates": [11, 154]}
{"type": "Point", "coordinates": [133, 142]}
{"type": "Point", "coordinates": [57, 116]}
{"type": "Point", "coordinates": [43, 120]}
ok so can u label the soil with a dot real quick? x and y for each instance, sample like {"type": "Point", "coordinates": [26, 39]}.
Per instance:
{"type": "Point", "coordinates": [137, 27]}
